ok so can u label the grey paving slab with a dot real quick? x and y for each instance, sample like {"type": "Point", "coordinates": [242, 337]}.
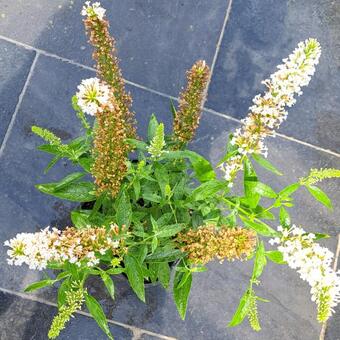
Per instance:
{"type": "Point", "coordinates": [157, 40]}
{"type": "Point", "coordinates": [15, 63]}
{"type": "Point", "coordinates": [215, 293]}
{"type": "Point", "coordinates": [22, 319]}
{"type": "Point", "coordinates": [259, 33]}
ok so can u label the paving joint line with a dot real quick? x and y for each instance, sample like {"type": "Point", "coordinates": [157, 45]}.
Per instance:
{"type": "Point", "coordinates": [222, 115]}
{"type": "Point", "coordinates": [135, 330]}
{"type": "Point", "coordinates": [335, 266]}
{"type": "Point", "coordinates": [217, 50]}
{"type": "Point", "coordinates": [18, 105]}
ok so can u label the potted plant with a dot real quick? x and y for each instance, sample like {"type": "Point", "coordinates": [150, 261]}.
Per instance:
{"type": "Point", "coordinates": [147, 207]}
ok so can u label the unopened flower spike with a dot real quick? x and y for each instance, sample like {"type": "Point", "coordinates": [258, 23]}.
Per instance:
{"type": "Point", "coordinates": [318, 175]}
{"type": "Point", "coordinates": [191, 99]}
{"type": "Point", "coordinates": [158, 143]}
{"type": "Point", "coordinates": [268, 111]}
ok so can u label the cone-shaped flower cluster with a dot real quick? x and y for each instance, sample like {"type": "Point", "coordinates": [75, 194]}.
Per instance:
{"type": "Point", "coordinates": [72, 245]}
{"type": "Point", "coordinates": [268, 111]}
{"type": "Point", "coordinates": [207, 243]}
{"type": "Point", "coordinates": [190, 103]}
{"type": "Point", "coordinates": [313, 263]}
{"type": "Point", "coordinates": [158, 143]}
{"type": "Point", "coordinates": [110, 149]}
{"type": "Point", "coordinates": [107, 66]}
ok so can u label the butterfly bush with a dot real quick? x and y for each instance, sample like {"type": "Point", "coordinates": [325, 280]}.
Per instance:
{"type": "Point", "coordinates": [152, 209]}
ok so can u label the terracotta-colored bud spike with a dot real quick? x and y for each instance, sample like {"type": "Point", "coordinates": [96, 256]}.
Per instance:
{"type": "Point", "coordinates": [108, 68]}
{"type": "Point", "coordinates": [110, 149]}
{"type": "Point", "coordinates": [208, 242]}
{"type": "Point", "coordinates": [190, 103]}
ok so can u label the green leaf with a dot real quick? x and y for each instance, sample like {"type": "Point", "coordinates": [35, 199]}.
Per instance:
{"type": "Point", "coordinates": [39, 285]}
{"type": "Point", "coordinates": [154, 244]}
{"type": "Point", "coordinates": [134, 272]}
{"type": "Point", "coordinates": [181, 294]}
{"type": "Point", "coordinates": [266, 164]}
{"type": "Point", "coordinates": [79, 219]}
{"type": "Point", "coordinates": [319, 195]}
{"type": "Point", "coordinates": [249, 182]}
{"type": "Point", "coordinates": [86, 163]}
{"type": "Point", "coordinates": [172, 108]}
{"type": "Point", "coordinates": [264, 190]}
{"type": "Point", "coordinates": [284, 218]}
{"type": "Point", "coordinates": [51, 149]}
{"type": "Point", "coordinates": [115, 271]}
{"type": "Point", "coordinates": [287, 191]}
{"type": "Point", "coordinates": [64, 287]}
{"type": "Point", "coordinates": [170, 230]}
{"type": "Point", "coordinates": [260, 227]}
{"type": "Point", "coordinates": [275, 256]}
{"type": "Point", "coordinates": [51, 163]}
{"type": "Point", "coordinates": [202, 167]}
{"type": "Point", "coordinates": [260, 261]}
{"type": "Point", "coordinates": [68, 180]}
{"type": "Point", "coordinates": [97, 312]}
{"type": "Point", "coordinates": [207, 189]}
{"type": "Point", "coordinates": [241, 311]}
{"type": "Point", "coordinates": [164, 255]}
{"type": "Point", "coordinates": [123, 210]}
{"type": "Point", "coordinates": [108, 284]}
{"type": "Point", "coordinates": [164, 274]}
{"type": "Point", "coordinates": [77, 192]}
{"type": "Point", "coordinates": [139, 145]}
{"type": "Point", "coordinates": [319, 236]}
{"type": "Point", "coordinates": [136, 188]}
{"type": "Point", "coordinates": [152, 127]}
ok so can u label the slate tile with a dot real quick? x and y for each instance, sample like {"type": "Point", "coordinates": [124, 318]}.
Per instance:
{"type": "Point", "coordinates": [157, 39]}
{"type": "Point", "coordinates": [12, 79]}
{"type": "Point", "coordinates": [22, 319]}
{"type": "Point", "coordinates": [258, 35]}
{"type": "Point", "coordinates": [145, 336]}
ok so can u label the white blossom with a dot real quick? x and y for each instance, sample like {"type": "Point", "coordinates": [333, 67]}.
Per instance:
{"type": "Point", "coordinates": [38, 249]}
{"type": "Point", "coordinates": [92, 95]}
{"type": "Point", "coordinates": [93, 10]}
{"type": "Point", "coordinates": [268, 110]}
{"type": "Point", "coordinates": [314, 264]}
